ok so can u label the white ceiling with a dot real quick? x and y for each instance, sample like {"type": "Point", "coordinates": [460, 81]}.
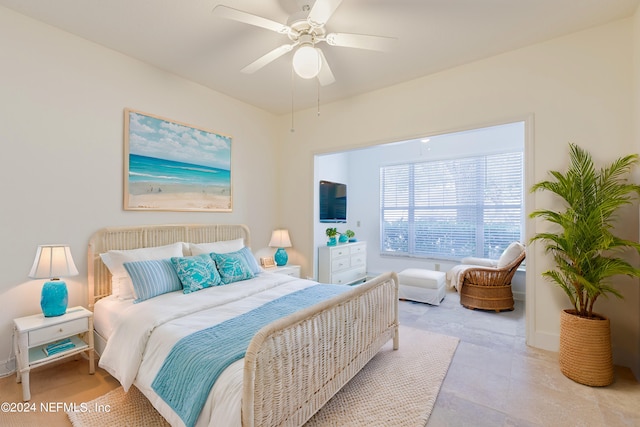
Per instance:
{"type": "Point", "coordinates": [183, 37]}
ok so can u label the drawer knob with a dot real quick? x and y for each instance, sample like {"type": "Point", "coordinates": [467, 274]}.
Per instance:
{"type": "Point", "coordinates": [60, 330]}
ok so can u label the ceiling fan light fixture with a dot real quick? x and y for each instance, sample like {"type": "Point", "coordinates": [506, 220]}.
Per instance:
{"type": "Point", "coordinates": [307, 61]}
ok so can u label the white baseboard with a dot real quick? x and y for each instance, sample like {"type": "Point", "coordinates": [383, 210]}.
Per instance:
{"type": "Point", "coordinates": [545, 341]}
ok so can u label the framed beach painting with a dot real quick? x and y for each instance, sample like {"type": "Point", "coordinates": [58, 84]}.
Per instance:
{"type": "Point", "coordinates": [172, 166]}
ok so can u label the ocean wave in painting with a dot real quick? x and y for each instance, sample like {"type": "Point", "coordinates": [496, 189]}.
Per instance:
{"type": "Point", "coordinates": [152, 170]}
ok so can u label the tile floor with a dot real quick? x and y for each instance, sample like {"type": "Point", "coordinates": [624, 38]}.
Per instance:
{"type": "Point", "coordinates": [495, 379]}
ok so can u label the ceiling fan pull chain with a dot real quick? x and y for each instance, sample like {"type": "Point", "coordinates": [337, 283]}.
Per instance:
{"type": "Point", "coordinates": [293, 76]}
{"type": "Point", "coordinates": [318, 86]}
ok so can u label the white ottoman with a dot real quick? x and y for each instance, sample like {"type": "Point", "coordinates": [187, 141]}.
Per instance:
{"type": "Point", "coordinates": [418, 284]}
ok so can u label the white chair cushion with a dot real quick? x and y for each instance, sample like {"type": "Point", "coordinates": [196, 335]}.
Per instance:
{"type": "Point", "coordinates": [483, 262]}
{"type": "Point", "coordinates": [422, 278]}
{"type": "Point", "coordinates": [512, 252]}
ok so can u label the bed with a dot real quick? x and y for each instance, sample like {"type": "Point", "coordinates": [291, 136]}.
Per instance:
{"type": "Point", "coordinates": [292, 365]}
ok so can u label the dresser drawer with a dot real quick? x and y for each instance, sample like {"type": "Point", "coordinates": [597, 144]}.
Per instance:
{"type": "Point", "coordinates": [340, 252]}
{"type": "Point", "coordinates": [358, 249]}
{"type": "Point", "coordinates": [350, 276]}
{"type": "Point", "coordinates": [358, 259]}
{"type": "Point", "coordinates": [339, 264]}
{"type": "Point", "coordinates": [55, 332]}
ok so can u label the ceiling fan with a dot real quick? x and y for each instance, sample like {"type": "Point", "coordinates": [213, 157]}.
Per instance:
{"type": "Point", "coordinates": [305, 29]}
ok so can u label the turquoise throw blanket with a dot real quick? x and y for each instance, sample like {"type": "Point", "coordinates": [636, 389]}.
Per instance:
{"type": "Point", "coordinates": [197, 360]}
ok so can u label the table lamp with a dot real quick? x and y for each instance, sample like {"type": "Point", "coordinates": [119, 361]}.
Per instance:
{"type": "Point", "coordinates": [280, 239]}
{"type": "Point", "coordinates": [53, 262]}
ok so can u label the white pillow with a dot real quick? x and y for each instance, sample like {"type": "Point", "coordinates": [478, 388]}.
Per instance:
{"type": "Point", "coordinates": [221, 247]}
{"type": "Point", "coordinates": [512, 252]}
{"type": "Point", "coordinates": [121, 285]}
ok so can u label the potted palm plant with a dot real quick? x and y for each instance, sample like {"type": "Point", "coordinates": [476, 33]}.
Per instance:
{"type": "Point", "coordinates": [587, 255]}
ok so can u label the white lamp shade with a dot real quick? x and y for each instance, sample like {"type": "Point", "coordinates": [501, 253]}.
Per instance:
{"type": "Point", "coordinates": [280, 239]}
{"type": "Point", "coordinates": [53, 261]}
{"type": "Point", "coordinates": [307, 61]}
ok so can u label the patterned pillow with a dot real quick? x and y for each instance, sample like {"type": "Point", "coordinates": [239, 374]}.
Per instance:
{"type": "Point", "coordinates": [196, 272]}
{"type": "Point", "coordinates": [232, 266]}
{"type": "Point", "coordinates": [152, 278]}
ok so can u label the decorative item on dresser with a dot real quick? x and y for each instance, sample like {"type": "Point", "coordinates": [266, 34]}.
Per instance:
{"type": "Point", "coordinates": [342, 264]}
{"type": "Point", "coordinates": [280, 239]}
{"type": "Point", "coordinates": [53, 262]}
{"type": "Point", "coordinates": [331, 233]}
{"type": "Point", "coordinates": [351, 236]}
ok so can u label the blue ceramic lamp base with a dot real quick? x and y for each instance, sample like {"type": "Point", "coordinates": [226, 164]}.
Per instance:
{"type": "Point", "coordinates": [54, 298]}
{"type": "Point", "coordinates": [281, 257]}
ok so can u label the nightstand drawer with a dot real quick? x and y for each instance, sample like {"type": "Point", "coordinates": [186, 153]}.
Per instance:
{"type": "Point", "coordinates": [55, 332]}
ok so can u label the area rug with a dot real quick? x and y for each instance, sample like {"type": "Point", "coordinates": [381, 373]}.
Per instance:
{"type": "Point", "coordinates": [396, 388]}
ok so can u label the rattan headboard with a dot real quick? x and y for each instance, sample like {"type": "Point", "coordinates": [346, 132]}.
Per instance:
{"type": "Point", "coordinates": [144, 236]}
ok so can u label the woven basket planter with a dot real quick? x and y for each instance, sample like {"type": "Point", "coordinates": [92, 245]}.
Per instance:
{"type": "Point", "coordinates": [585, 349]}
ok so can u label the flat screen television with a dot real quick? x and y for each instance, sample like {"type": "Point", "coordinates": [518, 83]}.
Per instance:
{"type": "Point", "coordinates": [333, 202]}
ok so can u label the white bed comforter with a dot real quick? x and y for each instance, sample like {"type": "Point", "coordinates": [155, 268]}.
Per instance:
{"type": "Point", "coordinates": [146, 332]}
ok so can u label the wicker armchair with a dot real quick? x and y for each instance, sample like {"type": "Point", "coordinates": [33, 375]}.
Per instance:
{"type": "Point", "coordinates": [489, 288]}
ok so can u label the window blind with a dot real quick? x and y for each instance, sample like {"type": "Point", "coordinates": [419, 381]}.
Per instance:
{"type": "Point", "coordinates": [454, 208]}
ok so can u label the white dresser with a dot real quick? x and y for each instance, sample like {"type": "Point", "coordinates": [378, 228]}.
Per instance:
{"type": "Point", "coordinates": [342, 264]}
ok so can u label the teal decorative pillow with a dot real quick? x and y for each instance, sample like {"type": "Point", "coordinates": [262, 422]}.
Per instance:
{"type": "Point", "coordinates": [152, 278]}
{"type": "Point", "coordinates": [232, 266]}
{"type": "Point", "coordinates": [196, 272]}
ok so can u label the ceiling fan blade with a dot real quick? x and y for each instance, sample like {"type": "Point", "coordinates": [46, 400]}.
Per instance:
{"type": "Point", "coordinates": [325, 76]}
{"type": "Point", "coordinates": [322, 11]}
{"type": "Point", "coordinates": [267, 58]}
{"type": "Point", "coordinates": [248, 18]}
{"type": "Point", "coordinates": [360, 41]}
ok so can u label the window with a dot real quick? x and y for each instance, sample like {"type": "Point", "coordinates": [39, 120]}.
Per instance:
{"type": "Point", "coordinates": [453, 208]}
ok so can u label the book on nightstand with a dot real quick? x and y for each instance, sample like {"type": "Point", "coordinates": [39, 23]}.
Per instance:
{"type": "Point", "coordinates": [58, 346]}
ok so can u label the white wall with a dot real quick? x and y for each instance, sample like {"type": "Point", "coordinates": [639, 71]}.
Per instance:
{"type": "Point", "coordinates": [61, 171]}
{"type": "Point", "coordinates": [578, 89]}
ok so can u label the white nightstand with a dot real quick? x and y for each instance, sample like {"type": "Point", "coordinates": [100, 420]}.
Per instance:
{"type": "Point", "coordinates": [289, 270]}
{"type": "Point", "coordinates": [34, 333]}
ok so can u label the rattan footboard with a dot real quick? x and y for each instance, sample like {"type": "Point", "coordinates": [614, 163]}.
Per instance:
{"type": "Point", "coordinates": [295, 365]}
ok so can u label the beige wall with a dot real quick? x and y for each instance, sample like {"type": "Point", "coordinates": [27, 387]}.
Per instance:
{"type": "Point", "coordinates": [577, 88]}
{"type": "Point", "coordinates": [61, 167]}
